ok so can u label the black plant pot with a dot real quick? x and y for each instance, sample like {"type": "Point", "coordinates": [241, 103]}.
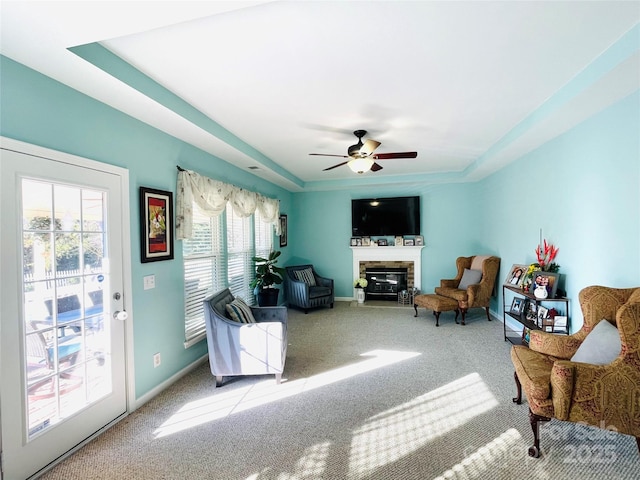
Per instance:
{"type": "Point", "coordinates": [268, 297]}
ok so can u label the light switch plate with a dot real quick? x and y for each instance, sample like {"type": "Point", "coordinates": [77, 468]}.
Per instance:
{"type": "Point", "coordinates": [149, 282]}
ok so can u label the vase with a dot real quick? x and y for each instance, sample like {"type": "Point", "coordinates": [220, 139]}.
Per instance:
{"type": "Point", "coordinates": [360, 295]}
{"type": "Point", "coordinates": [540, 292]}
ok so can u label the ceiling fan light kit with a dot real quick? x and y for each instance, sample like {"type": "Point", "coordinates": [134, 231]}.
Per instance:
{"type": "Point", "coordinates": [360, 165]}
{"type": "Point", "coordinates": [361, 157]}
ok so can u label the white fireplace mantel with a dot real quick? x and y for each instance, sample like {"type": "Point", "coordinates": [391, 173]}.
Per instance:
{"type": "Point", "coordinates": [391, 253]}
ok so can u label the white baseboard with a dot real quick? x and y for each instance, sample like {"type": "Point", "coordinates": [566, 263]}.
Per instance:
{"type": "Point", "coordinates": [344, 299]}
{"type": "Point", "coordinates": [168, 382]}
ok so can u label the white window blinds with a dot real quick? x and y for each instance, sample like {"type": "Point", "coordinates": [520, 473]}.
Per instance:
{"type": "Point", "coordinates": [239, 253]}
{"type": "Point", "coordinates": [203, 271]}
{"type": "Point", "coordinates": [218, 255]}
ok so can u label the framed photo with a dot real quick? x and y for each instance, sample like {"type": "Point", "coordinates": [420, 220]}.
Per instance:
{"type": "Point", "coordinates": [516, 275]}
{"type": "Point", "coordinates": [156, 225]}
{"type": "Point", "coordinates": [409, 242]}
{"type": "Point", "coordinates": [547, 279]}
{"type": "Point", "coordinates": [366, 241]}
{"type": "Point", "coordinates": [283, 231]}
{"type": "Point", "coordinates": [532, 313]}
{"type": "Point", "coordinates": [548, 324]}
{"type": "Point", "coordinates": [517, 305]}
{"type": "Point", "coordinates": [382, 242]}
{"type": "Point", "coordinates": [354, 241]}
{"type": "Point", "coordinates": [542, 313]}
{"type": "Point", "coordinates": [399, 241]}
{"type": "Point", "coordinates": [358, 242]}
{"type": "Point", "coordinates": [419, 241]}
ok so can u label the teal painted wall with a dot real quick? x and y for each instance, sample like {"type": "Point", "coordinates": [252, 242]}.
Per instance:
{"type": "Point", "coordinates": [581, 188]}
{"type": "Point", "coordinates": [38, 110]}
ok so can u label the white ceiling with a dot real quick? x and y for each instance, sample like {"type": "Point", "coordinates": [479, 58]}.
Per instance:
{"type": "Point", "coordinates": [469, 85]}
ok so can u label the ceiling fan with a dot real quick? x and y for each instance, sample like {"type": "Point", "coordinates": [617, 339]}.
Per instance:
{"type": "Point", "coordinates": [361, 156]}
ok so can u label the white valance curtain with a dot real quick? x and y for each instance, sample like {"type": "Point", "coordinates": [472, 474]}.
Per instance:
{"type": "Point", "coordinates": [212, 196]}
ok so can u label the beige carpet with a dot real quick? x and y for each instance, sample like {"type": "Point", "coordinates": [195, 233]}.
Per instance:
{"type": "Point", "coordinates": [370, 393]}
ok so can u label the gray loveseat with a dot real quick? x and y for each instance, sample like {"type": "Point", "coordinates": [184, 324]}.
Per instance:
{"type": "Point", "coordinates": [245, 348]}
{"type": "Point", "coordinates": [306, 289]}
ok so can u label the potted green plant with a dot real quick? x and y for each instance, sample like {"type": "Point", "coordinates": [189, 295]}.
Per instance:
{"type": "Point", "coordinates": [267, 275]}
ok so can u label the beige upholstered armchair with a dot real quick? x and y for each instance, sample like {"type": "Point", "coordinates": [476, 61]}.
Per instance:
{"type": "Point", "coordinates": [474, 283]}
{"type": "Point", "coordinates": [592, 376]}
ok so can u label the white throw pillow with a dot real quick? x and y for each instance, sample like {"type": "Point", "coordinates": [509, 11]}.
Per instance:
{"type": "Point", "coordinates": [601, 347]}
{"type": "Point", "coordinates": [469, 277]}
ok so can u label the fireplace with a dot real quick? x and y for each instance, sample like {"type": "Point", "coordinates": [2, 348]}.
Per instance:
{"type": "Point", "coordinates": [384, 283]}
{"type": "Point", "coordinates": [406, 257]}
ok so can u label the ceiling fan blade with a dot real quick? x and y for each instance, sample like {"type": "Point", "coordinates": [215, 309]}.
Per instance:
{"type": "Point", "coordinates": [335, 166]}
{"type": "Point", "coordinates": [386, 156]}
{"type": "Point", "coordinates": [329, 155]}
{"type": "Point", "coordinates": [375, 167]}
{"type": "Point", "coordinates": [369, 147]}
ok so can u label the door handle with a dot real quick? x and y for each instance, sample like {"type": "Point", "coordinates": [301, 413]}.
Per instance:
{"type": "Point", "coordinates": [120, 315]}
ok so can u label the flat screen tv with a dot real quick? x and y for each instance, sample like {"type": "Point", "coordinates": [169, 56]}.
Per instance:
{"type": "Point", "coordinates": [385, 216]}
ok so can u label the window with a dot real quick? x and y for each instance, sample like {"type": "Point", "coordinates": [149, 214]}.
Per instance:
{"type": "Point", "coordinates": [202, 271]}
{"type": "Point", "coordinates": [218, 256]}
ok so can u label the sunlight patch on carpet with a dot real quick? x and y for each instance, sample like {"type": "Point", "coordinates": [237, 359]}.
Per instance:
{"type": "Point", "coordinates": [400, 431]}
{"type": "Point", "coordinates": [312, 464]}
{"type": "Point", "coordinates": [224, 404]}
{"type": "Point", "coordinates": [489, 458]}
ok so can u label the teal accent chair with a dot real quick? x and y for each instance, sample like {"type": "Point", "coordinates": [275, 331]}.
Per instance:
{"type": "Point", "coordinates": [305, 289]}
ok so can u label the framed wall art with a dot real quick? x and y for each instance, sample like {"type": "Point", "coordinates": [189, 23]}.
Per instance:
{"type": "Point", "coordinates": [283, 231]}
{"type": "Point", "coordinates": [156, 225]}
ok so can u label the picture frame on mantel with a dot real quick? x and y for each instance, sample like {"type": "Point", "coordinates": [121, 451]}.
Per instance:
{"type": "Point", "coordinates": [156, 225]}
{"type": "Point", "coordinates": [419, 241]}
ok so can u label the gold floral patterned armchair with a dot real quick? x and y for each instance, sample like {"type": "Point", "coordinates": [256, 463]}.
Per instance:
{"type": "Point", "coordinates": [474, 283]}
{"type": "Point", "coordinates": [592, 376]}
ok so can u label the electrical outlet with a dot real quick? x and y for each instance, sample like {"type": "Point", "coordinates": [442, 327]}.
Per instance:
{"type": "Point", "coordinates": [156, 360]}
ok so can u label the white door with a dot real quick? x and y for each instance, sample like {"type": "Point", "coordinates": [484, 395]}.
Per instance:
{"type": "Point", "coordinates": [62, 351]}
